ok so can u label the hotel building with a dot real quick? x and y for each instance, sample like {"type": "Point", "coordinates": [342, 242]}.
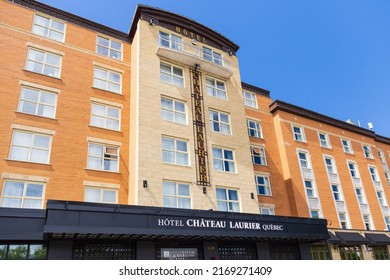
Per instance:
{"type": "Point", "coordinates": [147, 145]}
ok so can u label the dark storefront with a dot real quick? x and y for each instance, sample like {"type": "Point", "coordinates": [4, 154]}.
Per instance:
{"type": "Point", "coordinates": [77, 230]}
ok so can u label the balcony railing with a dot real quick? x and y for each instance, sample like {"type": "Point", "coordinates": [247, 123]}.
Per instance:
{"type": "Point", "coordinates": [340, 205]}
{"type": "Point", "coordinates": [191, 54]}
{"type": "Point", "coordinates": [314, 203]}
{"type": "Point", "coordinates": [334, 178]}
{"type": "Point", "coordinates": [378, 186]}
{"type": "Point", "coordinates": [307, 173]}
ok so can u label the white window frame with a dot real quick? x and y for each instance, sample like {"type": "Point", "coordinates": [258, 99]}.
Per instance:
{"type": "Point", "coordinates": [312, 188]}
{"type": "Point", "coordinates": [307, 160]}
{"type": "Point", "coordinates": [361, 198]}
{"type": "Point", "coordinates": [224, 127]}
{"type": "Point", "coordinates": [257, 131]}
{"type": "Point", "coordinates": [49, 28]}
{"type": "Point", "coordinates": [369, 222]}
{"type": "Point", "coordinates": [367, 151]}
{"type": "Point", "coordinates": [387, 176]}
{"type": "Point", "coordinates": [170, 41]}
{"type": "Point", "coordinates": [374, 173]}
{"type": "Point", "coordinates": [318, 216]}
{"type": "Point", "coordinates": [387, 222]}
{"type": "Point", "coordinates": [266, 185]}
{"type": "Point", "coordinates": [175, 151]}
{"type": "Point", "coordinates": [228, 201]}
{"type": "Point", "coordinates": [211, 55]}
{"type": "Point", "coordinates": [177, 196]}
{"type": "Point", "coordinates": [336, 192]}
{"type": "Point", "coordinates": [109, 48]}
{"type": "Point", "coordinates": [174, 79]}
{"type": "Point", "coordinates": [39, 92]}
{"type": "Point", "coordinates": [250, 99]}
{"type": "Point", "coordinates": [214, 90]}
{"type": "Point", "coordinates": [324, 143]}
{"type": "Point", "coordinates": [106, 155]}
{"type": "Point", "coordinates": [330, 166]}
{"type": "Point", "coordinates": [105, 116]}
{"type": "Point", "coordinates": [44, 63]}
{"type": "Point", "coordinates": [107, 82]}
{"type": "Point", "coordinates": [346, 220]}
{"type": "Point", "coordinates": [270, 210]}
{"type": "Point", "coordinates": [355, 169]}
{"type": "Point", "coordinates": [31, 147]}
{"type": "Point", "coordinates": [382, 157]}
{"type": "Point", "coordinates": [381, 198]}
{"type": "Point", "coordinates": [347, 148]}
{"type": "Point", "coordinates": [101, 198]}
{"type": "Point", "coordinates": [24, 196]}
{"type": "Point", "coordinates": [224, 160]}
{"type": "Point", "coordinates": [299, 136]}
{"type": "Point", "coordinates": [175, 113]}
{"type": "Point", "coordinates": [260, 153]}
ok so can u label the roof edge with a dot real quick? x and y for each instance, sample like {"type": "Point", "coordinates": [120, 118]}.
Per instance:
{"type": "Point", "coordinates": [255, 89]}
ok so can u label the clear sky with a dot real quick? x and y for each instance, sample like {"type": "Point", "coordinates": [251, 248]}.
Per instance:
{"type": "Point", "coordinates": [329, 56]}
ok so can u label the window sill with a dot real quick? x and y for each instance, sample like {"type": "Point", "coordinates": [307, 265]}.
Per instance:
{"type": "Point", "coordinates": [177, 165]}
{"type": "Point", "coordinates": [15, 160]}
{"type": "Point", "coordinates": [328, 148]}
{"type": "Point", "coordinates": [266, 195]}
{"type": "Point", "coordinates": [105, 171]}
{"type": "Point", "coordinates": [98, 127]}
{"type": "Point", "coordinates": [106, 90]}
{"type": "Point", "coordinates": [57, 78]}
{"type": "Point", "coordinates": [226, 172]}
{"type": "Point", "coordinates": [41, 117]}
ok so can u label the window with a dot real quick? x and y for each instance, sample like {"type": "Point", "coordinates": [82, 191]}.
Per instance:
{"type": "Point", "coordinates": [360, 195]}
{"type": "Point", "coordinates": [347, 147]}
{"type": "Point", "coordinates": [315, 214]}
{"type": "Point", "coordinates": [49, 28]}
{"type": "Point", "coordinates": [105, 116]}
{"type": "Point", "coordinates": [227, 200]}
{"type": "Point", "coordinates": [303, 160]}
{"type": "Point", "coordinates": [319, 252]}
{"type": "Point", "coordinates": [353, 170]}
{"type": "Point", "coordinates": [310, 190]}
{"type": "Point", "coordinates": [219, 122]}
{"type": "Point", "coordinates": [108, 47]}
{"type": "Point", "coordinates": [216, 88]}
{"type": "Point", "coordinates": [107, 80]}
{"type": "Point", "coordinates": [176, 195]}
{"type": "Point", "coordinates": [324, 140]}
{"type": "Point", "coordinates": [100, 195]}
{"type": "Point", "coordinates": [387, 221]}
{"type": "Point", "coordinates": [254, 129]}
{"type": "Point", "coordinates": [374, 174]}
{"type": "Point", "coordinates": [102, 157]}
{"type": "Point", "coordinates": [37, 102]}
{"type": "Point", "coordinates": [263, 186]}
{"type": "Point", "coordinates": [20, 194]}
{"type": "Point", "coordinates": [223, 160]}
{"type": "Point", "coordinates": [29, 146]}
{"type": "Point", "coordinates": [23, 251]}
{"type": "Point", "coordinates": [213, 56]}
{"type": "Point", "coordinates": [267, 211]}
{"type": "Point", "coordinates": [171, 74]}
{"type": "Point", "coordinates": [250, 99]}
{"type": "Point", "coordinates": [329, 165]}
{"type": "Point", "coordinates": [42, 62]}
{"type": "Point", "coordinates": [258, 155]}
{"type": "Point", "coordinates": [173, 110]}
{"type": "Point", "coordinates": [171, 41]}
{"type": "Point", "coordinates": [382, 156]}
{"type": "Point", "coordinates": [343, 220]}
{"type": "Point", "coordinates": [174, 151]}
{"type": "Point", "coordinates": [367, 222]}
{"type": "Point", "coordinates": [387, 175]}
{"type": "Point", "coordinates": [350, 252]}
{"type": "Point", "coordinates": [367, 151]}
{"type": "Point", "coordinates": [299, 134]}
{"type": "Point", "coordinates": [336, 193]}
{"type": "Point", "coordinates": [381, 198]}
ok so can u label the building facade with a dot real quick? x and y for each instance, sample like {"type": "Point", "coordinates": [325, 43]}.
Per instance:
{"type": "Point", "coordinates": [148, 145]}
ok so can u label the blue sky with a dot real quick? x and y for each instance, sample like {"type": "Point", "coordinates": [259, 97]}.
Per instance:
{"type": "Point", "coordinates": [329, 56]}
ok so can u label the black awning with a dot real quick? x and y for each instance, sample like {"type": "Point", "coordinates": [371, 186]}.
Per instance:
{"type": "Point", "coordinates": [333, 239]}
{"type": "Point", "coordinates": [378, 238]}
{"type": "Point", "coordinates": [352, 238]}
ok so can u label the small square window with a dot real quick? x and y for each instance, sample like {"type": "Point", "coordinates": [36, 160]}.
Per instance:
{"type": "Point", "coordinates": [223, 160]}
{"type": "Point", "coordinates": [176, 195]}
{"type": "Point", "coordinates": [367, 151]}
{"type": "Point", "coordinates": [347, 146]}
{"type": "Point", "coordinates": [216, 88]}
{"type": "Point", "coordinates": [299, 134]}
{"type": "Point", "coordinates": [103, 157]}
{"type": "Point", "coordinates": [220, 122]}
{"type": "Point", "coordinates": [22, 194]}
{"type": "Point", "coordinates": [107, 80]}
{"type": "Point", "coordinates": [43, 62]}
{"type": "Point", "coordinates": [100, 195]}
{"type": "Point", "coordinates": [263, 185]}
{"type": "Point", "coordinates": [108, 47]}
{"type": "Point", "coordinates": [37, 102]}
{"type": "Point", "coordinates": [173, 110]}
{"type": "Point", "coordinates": [250, 99]}
{"type": "Point", "coordinates": [105, 116]}
{"type": "Point", "coordinates": [171, 74]}
{"type": "Point", "coordinates": [175, 151]}
{"type": "Point", "coordinates": [324, 140]}
{"type": "Point", "coordinates": [49, 28]}
{"type": "Point", "coordinates": [258, 155]}
{"type": "Point", "coordinates": [254, 129]}
{"type": "Point", "coordinates": [227, 200]}
{"type": "Point", "coordinates": [267, 211]}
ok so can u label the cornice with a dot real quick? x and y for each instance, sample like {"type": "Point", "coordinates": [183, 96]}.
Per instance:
{"type": "Point", "coordinates": [255, 89]}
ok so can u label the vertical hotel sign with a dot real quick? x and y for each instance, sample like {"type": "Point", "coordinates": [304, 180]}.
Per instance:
{"type": "Point", "coordinates": [199, 129]}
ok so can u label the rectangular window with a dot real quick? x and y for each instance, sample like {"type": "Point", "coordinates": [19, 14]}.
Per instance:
{"type": "Point", "coordinates": [347, 146]}
{"type": "Point", "coordinates": [374, 174]}
{"type": "Point", "coordinates": [315, 214]}
{"type": "Point", "coordinates": [258, 155]}
{"type": "Point", "coordinates": [360, 196]}
{"type": "Point", "coordinates": [20, 194]}
{"type": "Point", "coordinates": [108, 47]}
{"type": "Point", "coordinates": [381, 155]}
{"type": "Point", "coordinates": [219, 122]}
{"type": "Point", "coordinates": [223, 160]}
{"type": "Point", "coordinates": [213, 56]}
{"type": "Point", "coordinates": [216, 88]}
{"type": "Point", "coordinates": [263, 185]}
{"type": "Point", "coordinates": [250, 99]}
{"type": "Point", "coordinates": [367, 151]}
{"type": "Point", "coordinates": [254, 129]}
{"type": "Point", "coordinates": [171, 74]}
{"type": "Point", "coordinates": [105, 116]}
{"type": "Point", "coordinates": [176, 195]}
{"type": "Point", "coordinates": [37, 102]}
{"type": "Point", "coordinates": [49, 28]}
{"type": "Point", "coordinates": [329, 165]}
{"type": "Point", "coordinates": [175, 151]}
{"type": "Point", "coordinates": [324, 140]}
{"type": "Point", "coordinates": [343, 220]}
{"type": "Point", "coordinates": [227, 200]}
{"type": "Point", "coordinates": [267, 211]}
{"type": "Point", "coordinates": [381, 198]}
{"type": "Point", "coordinates": [353, 170]}
{"type": "Point", "coordinates": [299, 134]}
{"type": "Point", "coordinates": [303, 160]}
{"type": "Point", "coordinates": [170, 41]}
{"type": "Point", "coordinates": [173, 110]}
{"type": "Point", "coordinates": [43, 62]}
{"type": "Point", "coordinates": [100, 195]}
{"type": "Point", "coordinates": [336, 192]}
{"type": "Point", "coordinates": [107, 80]}
{"type": "Point", "coordinates": [387, 175]}
{"type": "Point", "coordinates": [367, 222]}
{"type": "Point", "coordinates": [29, 146]}
{"type": "Point", "coordinates": [310, 190]}
{"type": "Point", "coordinates": [23, 251]}
{"type": "Point", "coordinates": [387, 221]}
{"type": "Point", "coordinates": [103, 157]}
